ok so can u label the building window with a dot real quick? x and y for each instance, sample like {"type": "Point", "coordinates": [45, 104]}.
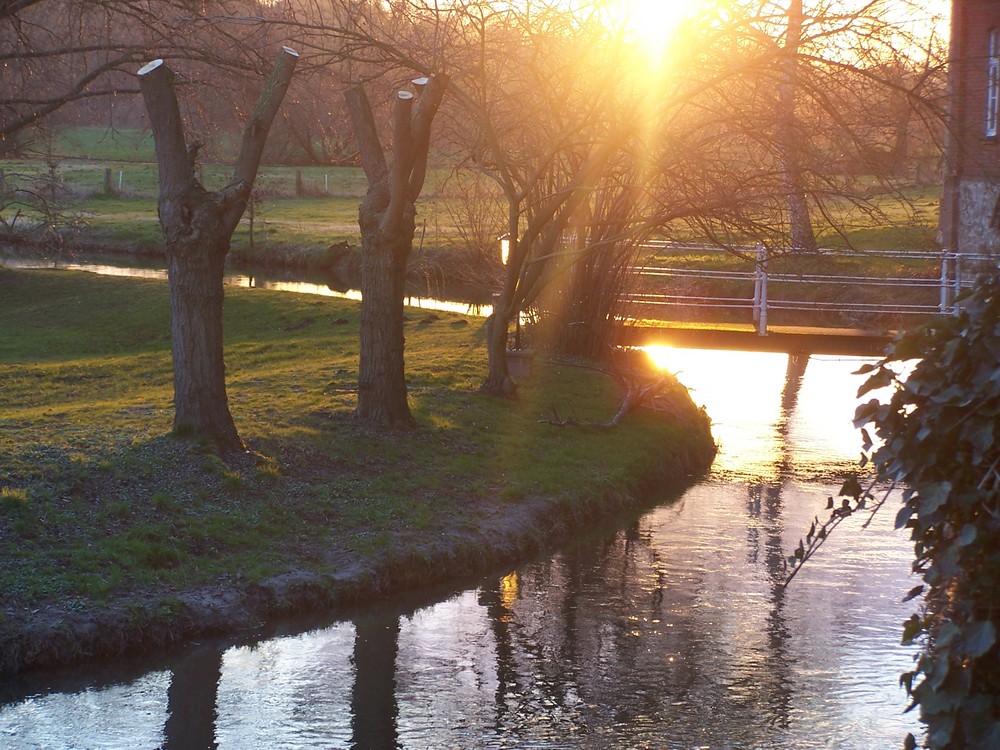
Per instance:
{"type": "Point", "coordinates": [993, 84]}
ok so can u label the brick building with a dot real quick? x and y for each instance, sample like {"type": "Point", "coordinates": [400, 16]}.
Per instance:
{"type": "Point", "coordinates": [970, 205]}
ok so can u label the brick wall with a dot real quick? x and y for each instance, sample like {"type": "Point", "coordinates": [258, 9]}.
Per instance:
{"type": "Point", "coordinates": [972, 173]}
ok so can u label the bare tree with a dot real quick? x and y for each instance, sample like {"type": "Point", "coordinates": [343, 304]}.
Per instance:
{"type": "Point", "coordinates": [388, 221]}
{"type": "Point", "coordinates": [811, 107]}
{"type": "Point", "coordinates": [198, 226]}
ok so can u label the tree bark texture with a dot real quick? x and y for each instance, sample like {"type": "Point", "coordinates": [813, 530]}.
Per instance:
{"type": "Point", "coordinates": [498, 380]}
{"type": "Point", "coordinates": [387, 218]}
{"type": "Point", "coordinates": [382, 394]}
{"type": "Point", "coordinates": [198, 226]}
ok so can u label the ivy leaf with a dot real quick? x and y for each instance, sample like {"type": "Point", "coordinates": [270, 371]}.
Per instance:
{"type": "Point", "coordinates": [981, 436]}
{"type": "Point", "coordinates": [967, 535]}
{"type": "Point", "coordinates": [904, 515]}
{"type": "Point", "coordinates": [883, 376]}
{"type": "Point", "coordinates": [946, 634]}
{"type": "Point", "coordinates": [979, 638]}
{"type": "Point", "coordinates": [932, 496]}
{"type": "Point", "coordinates": [851, 488]}
{"type": "Point", "coordinates": [911, 629]}
{"type": "Point", "coordinates": [914, 592]}
{"type": "Point", "coordinates": [864, 413]}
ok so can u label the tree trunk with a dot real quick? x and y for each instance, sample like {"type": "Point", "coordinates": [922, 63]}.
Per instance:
{"type": "Point", "coordinates": [388, 221]}
{"type": "Point", "coordinates": [498, 381]}
{"type": "Point", "coordinates": [382, 396]}
{"type": "Point", "coordinates": [198, 226]}
{"type": "Point", "coordinates": [799, 221]}
{"type": "Point", "coordinates": [201, 406]}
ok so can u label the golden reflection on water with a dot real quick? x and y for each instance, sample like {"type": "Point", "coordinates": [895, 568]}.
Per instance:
{"type": "Point", "coordinates": [509, 589]}
{"type": "Point", "coordinates": [773, 414]}
{"type": "Point", "coordinates": [304, 287]}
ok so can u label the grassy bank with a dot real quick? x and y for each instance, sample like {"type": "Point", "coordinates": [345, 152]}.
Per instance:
{"type": "Point", "coordinates": [116, 536]}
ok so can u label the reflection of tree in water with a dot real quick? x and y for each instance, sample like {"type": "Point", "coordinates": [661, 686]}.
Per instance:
{"type": "Point", "coordinates": [764, 507]}
{"type": "Point", "coordinates": [373, 701]}
{"type": "Point", "coordinates": [497, 600]}
{"type": "Point", "coordinates": [610, 633]}
{"type": "Point", "coordinates": [573, 644]}
{"type": "Point", "coordinates": [194, 686]}
{"type": "Point", "coordinates": [191, 701]}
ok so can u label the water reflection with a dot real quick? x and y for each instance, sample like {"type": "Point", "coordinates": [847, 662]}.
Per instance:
{"type": "Point", "coordinates": [373, 700]}
{"type": "Point", "coordinates": [329, 286]}
{"type": "Point", "coordinates": [191, 700]}
{"type": "Point", "coordinates": [671, 630]}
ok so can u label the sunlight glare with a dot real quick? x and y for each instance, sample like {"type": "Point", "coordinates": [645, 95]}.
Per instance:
{"type": "Point", "coordinates": [651, 24]}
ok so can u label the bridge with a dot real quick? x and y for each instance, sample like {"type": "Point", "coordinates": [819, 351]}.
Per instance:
{"type": "Point", "coordinates": [859, 313]}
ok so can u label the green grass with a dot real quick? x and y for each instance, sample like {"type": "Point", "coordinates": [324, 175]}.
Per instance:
{"type": "Point", "coordinates": [99, 504]}
{"type": "Point", "coordinates": [128, 218]}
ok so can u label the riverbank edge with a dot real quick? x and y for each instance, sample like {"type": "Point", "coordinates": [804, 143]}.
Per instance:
{"type": "Point", "coordinates": [53, 638]}
{"type": "Point", "coordinates": [341, 259]}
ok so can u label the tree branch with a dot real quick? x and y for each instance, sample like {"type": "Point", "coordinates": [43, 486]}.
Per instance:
{"type": "Point", "coordinates": [156, 82]}
{"type": "Point", "coordinates": [428, 102]}
{"type": "Point", "coordinates": [366, 134]}
{"type": "Point", "coordinates": [255, 133]}
{"type": "Point", "coordinates": [402, 147]}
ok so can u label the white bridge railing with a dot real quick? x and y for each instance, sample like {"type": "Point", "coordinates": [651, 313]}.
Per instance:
{"type": "Point", "coordinates": [956, 272]}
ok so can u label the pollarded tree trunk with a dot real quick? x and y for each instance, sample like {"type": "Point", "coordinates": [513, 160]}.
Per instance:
{"type": "Point", "coordinates": [387, 220]}
{"type": "Point", "coordinates": [198, 226]}
{"type": "Point", "coordinates": [195, 271]}
{"type": "Point", "coordinates": [381, 378]}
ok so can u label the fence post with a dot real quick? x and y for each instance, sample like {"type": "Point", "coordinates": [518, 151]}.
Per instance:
{"type": "Point", "coordinates": [958, 283]}
{"type": "Point", "coordinates": [760, 290]}
{"type": "Point", "coordinates": [943, 302]}
{"type": "Point", "coordinates": [756, 288]}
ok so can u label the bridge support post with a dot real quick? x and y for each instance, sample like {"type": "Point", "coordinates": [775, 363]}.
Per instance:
{"type": "Point", "coordinates": [944, 306]}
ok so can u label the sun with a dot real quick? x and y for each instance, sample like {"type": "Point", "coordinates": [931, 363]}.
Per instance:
{"type": "Point", "coordinates": [651, 24]}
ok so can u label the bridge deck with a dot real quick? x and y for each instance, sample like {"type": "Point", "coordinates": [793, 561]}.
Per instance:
{"type": "Point", "coordinates": [787, 339]}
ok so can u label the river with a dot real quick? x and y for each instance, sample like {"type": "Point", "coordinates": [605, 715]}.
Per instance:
{"type": "Point", "coordinates": [671, 630]}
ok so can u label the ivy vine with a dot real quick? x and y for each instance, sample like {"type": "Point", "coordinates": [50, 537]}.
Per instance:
{"type": "Point", "coordinates": [938, 438]}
